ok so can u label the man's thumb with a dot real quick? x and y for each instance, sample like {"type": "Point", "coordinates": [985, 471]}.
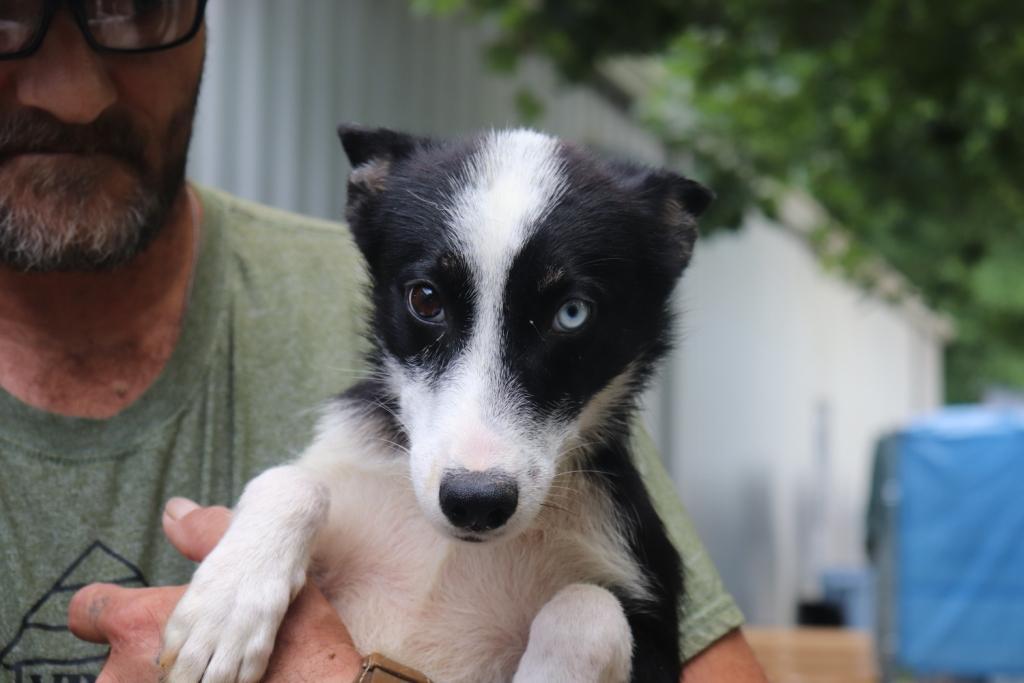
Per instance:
{"type": "Point", "coordinates": [192, 529]}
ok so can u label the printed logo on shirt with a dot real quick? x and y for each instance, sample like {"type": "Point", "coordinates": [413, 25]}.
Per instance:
{"type": "Point", "coordinates": [44, 650]}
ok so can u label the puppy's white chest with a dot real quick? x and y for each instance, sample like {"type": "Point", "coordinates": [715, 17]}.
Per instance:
{"type": "Point", "coordinates": [405, 590]}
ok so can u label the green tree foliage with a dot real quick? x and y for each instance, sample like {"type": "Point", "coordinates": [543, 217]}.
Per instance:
{"type": "Point", "coordinates": [902, 117]}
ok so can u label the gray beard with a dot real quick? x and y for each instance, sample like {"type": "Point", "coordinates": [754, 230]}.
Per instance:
{"type": "Point", "coordinates": [70, 225]}
{"type": "Point", "coordinates": [63, 218]}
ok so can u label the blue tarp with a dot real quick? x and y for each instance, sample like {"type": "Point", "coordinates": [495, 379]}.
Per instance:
{"type": "Point", "coordinates": [960, 566]}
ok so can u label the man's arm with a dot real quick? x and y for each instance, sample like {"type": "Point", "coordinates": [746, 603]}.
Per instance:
{"type": "Point", "coordinates": [728, 659]}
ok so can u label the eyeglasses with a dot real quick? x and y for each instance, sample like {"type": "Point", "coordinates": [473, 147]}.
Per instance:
{"type": "Point", "coordinates": [126, 26]}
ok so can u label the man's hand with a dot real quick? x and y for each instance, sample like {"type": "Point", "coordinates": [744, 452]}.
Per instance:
{"type": "Point", "coordinates": [312, 643]}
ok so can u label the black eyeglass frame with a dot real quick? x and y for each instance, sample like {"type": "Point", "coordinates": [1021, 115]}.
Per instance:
{"type": "Point", "coordinates": [50, 8]}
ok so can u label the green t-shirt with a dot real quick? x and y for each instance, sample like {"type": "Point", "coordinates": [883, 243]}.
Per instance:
{"type": "Point", "coordinates": [272, 329]}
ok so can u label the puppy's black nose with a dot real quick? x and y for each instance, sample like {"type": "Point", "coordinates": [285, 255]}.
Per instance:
{"type": "Point", "coordinates": [478, 501]}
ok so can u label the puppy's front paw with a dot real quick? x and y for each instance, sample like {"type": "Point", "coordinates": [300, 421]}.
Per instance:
{"type": "Point", "coordinates": [580, 636]}
{"type": "Point", "coordinates": [223, 629]}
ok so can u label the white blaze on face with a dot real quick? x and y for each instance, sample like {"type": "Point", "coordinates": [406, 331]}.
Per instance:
{"type": "Point", "coordinates": [515, 177]}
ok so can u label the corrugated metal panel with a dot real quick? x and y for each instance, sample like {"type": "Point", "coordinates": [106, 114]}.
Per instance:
{"type": "Point", "coordinates": [281, 75]}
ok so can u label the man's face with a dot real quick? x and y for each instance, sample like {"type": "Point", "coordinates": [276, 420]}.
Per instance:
{"type": "Point", "coordinates": [92, 149]}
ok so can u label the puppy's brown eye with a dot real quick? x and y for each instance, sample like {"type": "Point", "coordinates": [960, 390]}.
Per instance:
{"type": "Point", "coordinates": [425, 302]}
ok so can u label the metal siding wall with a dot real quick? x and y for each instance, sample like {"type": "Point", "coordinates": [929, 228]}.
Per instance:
{"type": "Point", "coordinates": [281, 75]}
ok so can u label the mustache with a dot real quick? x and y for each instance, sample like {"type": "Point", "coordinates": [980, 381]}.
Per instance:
{"type": "Point", "coordinates": [33, 131]}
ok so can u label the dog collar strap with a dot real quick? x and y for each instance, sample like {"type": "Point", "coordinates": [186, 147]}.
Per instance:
{"type": "Point", "coordinates": [379, 669]}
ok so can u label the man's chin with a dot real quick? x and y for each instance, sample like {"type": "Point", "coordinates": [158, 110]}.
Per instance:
{"type": "Point", "coordinates": [93, 221]}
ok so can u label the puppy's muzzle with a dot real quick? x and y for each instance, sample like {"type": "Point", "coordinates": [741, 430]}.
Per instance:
{"type": "Point", "coordinates": [478, 501]}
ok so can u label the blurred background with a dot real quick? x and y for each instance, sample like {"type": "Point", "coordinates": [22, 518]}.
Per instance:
{"type": "Point", "coordinates": [859, 271]}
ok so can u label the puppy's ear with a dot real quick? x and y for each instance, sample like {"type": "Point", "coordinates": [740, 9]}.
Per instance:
{"type": "Point", "coordinates": [678, 202]}
{"type": "Point", "coordinates": [368, 145]}
{"type": "Point", "coordinates": [372, 153]}
{"type": "Point", "coordinates": [693, 197]}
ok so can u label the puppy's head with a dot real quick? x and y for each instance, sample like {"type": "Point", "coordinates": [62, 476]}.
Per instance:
{"type": "Point", "coordinates": [520, 291]}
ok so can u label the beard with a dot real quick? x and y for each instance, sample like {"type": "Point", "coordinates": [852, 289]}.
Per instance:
{"type": "Point", "coordinates": [85, 197]}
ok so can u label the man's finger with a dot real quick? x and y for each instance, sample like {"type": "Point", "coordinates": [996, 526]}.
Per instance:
{"type": "Point", "coordinates": [194, 530]}
{"type": "Point", "coordinates": [90, 609]}
{"type": "Point", "coordinates": [131, 620]}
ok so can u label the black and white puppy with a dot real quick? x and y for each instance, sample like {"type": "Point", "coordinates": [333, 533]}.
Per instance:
{"type": "Point", "coordinates": [473, 510]}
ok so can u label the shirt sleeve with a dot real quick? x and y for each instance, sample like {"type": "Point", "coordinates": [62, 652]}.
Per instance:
{"type": "Point", "coordinates": [706, 612]}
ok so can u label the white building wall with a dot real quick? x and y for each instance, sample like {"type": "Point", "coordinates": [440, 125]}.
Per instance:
{"type": "Point", "coordinates": [774, 350]}
{"type": "Point", "coordinates": [785, 376]}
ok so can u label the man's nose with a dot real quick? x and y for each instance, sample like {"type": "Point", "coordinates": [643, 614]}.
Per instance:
{"type": "Point", "coordinates": [65, 77]}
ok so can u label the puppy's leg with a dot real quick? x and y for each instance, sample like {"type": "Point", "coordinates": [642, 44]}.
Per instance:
{"type": "Point", "coordinates": [223, 629]}
{"type": "Point", "coordinates": [580, 636]}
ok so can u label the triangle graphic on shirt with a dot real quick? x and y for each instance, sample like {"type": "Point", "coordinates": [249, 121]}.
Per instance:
{"type": "Point", "coordinates": [44, 650]}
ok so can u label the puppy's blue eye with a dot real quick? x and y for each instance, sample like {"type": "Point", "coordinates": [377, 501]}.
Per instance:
{"type": "Point", "coordinates": [572, 316]}
{"type": "Point", "coordinates": [424, 302]}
